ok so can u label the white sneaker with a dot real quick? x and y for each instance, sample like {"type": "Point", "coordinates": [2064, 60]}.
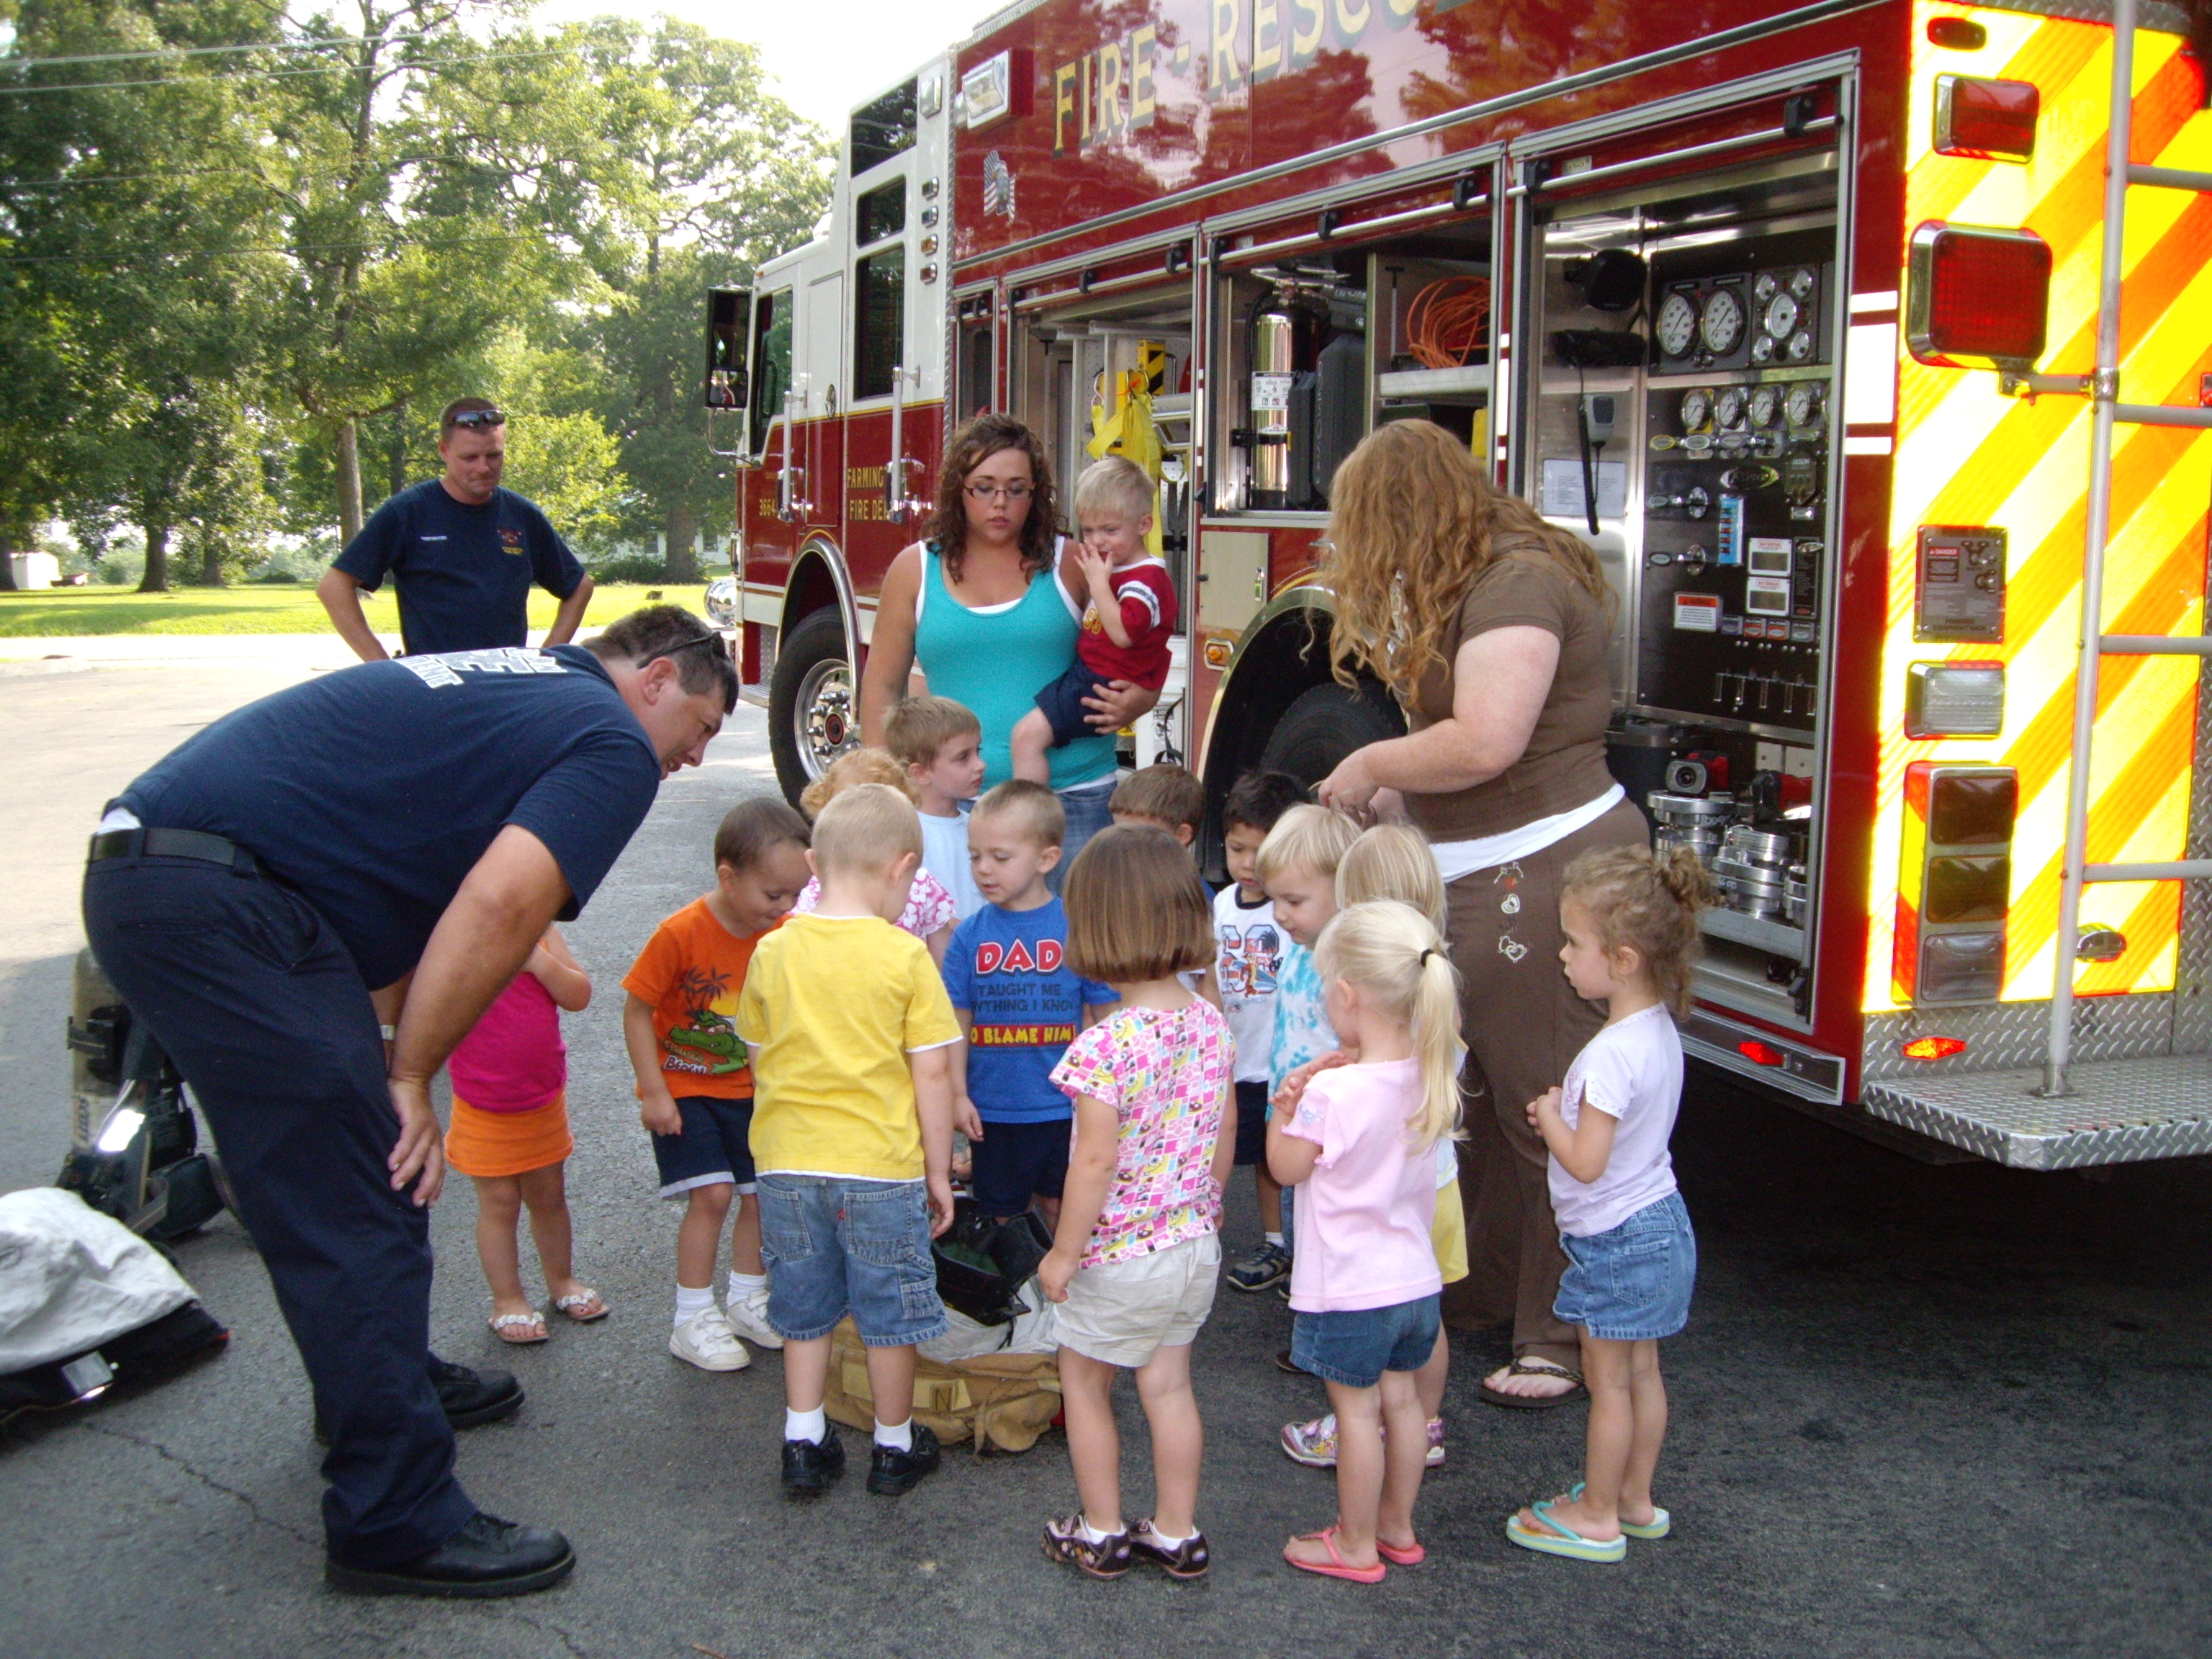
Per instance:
{"type": "Point", "coordinates": [706, 1340]}
{"type": "Point", "coordinates": [748, 1317]}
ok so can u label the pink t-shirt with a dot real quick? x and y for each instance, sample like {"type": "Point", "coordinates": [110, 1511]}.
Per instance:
{"type": "Point", "coordinates": [1166, 1075]}
{"type": "Point", "coordinates": [1364, 1215]}
{"type": "Point", "coordinates": [514, 1060]}
{"type": "Point", "coordinates": [929, 906]}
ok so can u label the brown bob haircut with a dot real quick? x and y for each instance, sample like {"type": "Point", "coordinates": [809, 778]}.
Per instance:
{"type": "Point", "coordinates": [1136, 910]}
{"type": "Point", "coordinates": [973, 445]}
{"type": "Point", "coordinates": [1170, 794]}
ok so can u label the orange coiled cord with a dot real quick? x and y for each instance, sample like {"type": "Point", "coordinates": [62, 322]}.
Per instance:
{"type": "Point", "coordinates": [1448, 321]}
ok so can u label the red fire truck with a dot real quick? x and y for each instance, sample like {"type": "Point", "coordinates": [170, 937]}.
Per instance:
{"type": "Point", "coordinates": [1867, 341]}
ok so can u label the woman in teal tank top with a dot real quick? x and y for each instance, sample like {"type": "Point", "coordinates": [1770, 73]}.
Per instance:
{"type": "Point", "coordinates": [985, 611]}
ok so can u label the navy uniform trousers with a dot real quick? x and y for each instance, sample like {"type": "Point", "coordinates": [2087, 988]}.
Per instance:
{"type": "Point", "coordinates": [264, 1014]}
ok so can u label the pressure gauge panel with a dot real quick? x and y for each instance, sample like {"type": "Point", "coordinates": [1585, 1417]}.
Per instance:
{"type": "Point", "coordinates": [1728, 409]}
{"type": "Point", "coordinates": [1677, 324]}
{"type": "Point", "coordinates": [1803, 405]}
{"type": "Point", "coordinates": [1704, 323]}
{"type": "Point", "coordinates": [1720, 324]}
{"type": "Point", "coordinates": [1697, 412]}
{"type": "Point", "coordinates": [1766, 404]}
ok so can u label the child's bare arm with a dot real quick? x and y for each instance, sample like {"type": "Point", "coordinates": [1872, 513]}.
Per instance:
{"type": "Point", "coordinates": [1582, 1151]}
{"type": "Point", "coordinates": [932, 1104]}
{"type": "Point", "coordinates": [1089, 1177]}
{"type": "Point", "coordinates": [1209, 987]}
{"type": "Point", "coordinates": [937, 943]}
{"type": "Point", "coordinates": [560, 973]}
{"type": "Point", "coordinates": [965, 1118]}
{"type": "Point", "coordinates": [1291, 1158]}
{"type": "Point", "coordinates": [656, 1106]}
{"type": "Point", "coordinates": [1098, 571]}
{"type": "Point", "coordinates": [1294, 1083]}
{"type": "Point", "coordinates": [1224, 1144]}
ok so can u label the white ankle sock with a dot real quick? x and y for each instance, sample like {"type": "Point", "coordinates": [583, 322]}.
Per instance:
{"type": "Point", "coordinates": [1091, 1535]}
{"type": "Point", "coordinates": [897, 1436]}
{"type": "Point", "coordinates": [1163, 1539]}
{"type": "Point", "coordinates": [746, 1286]}
{"type": "Point", "coordinates": [690, 1303]}
{"type": "Point", "coordinates": [1275, 1239]}
{"type": "Point", "coordinates": [806, 1425]}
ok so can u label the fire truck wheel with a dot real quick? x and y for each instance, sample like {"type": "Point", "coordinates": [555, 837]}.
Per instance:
{"type": "Point", "coordinates": [813, 706]}
{"type": "Point", "coordinates": [1323, 724]}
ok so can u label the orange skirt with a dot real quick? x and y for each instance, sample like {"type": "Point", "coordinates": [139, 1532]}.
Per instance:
{"type": "Point", "coordinates": [493, 1144]}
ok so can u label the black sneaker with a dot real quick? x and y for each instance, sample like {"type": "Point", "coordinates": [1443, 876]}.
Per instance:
{"type": "Point", "coordinates": [469, 1398]}
{"type": "Point", "coordinates": [488, 1557]}
{"type": "Point", "coordinates": [890, 1472]}
{"type": "Point", "coordinates": [1268, 1265]}
{"type": "Point", "coordinates": [810, 1466]}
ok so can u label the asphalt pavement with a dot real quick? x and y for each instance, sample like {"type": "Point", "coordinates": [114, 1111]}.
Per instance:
{"type": "Point", "coordinates": [1919, 1411]}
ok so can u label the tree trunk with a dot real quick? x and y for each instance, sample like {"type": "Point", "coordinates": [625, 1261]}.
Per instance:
{"type": "Point", "coordinates": [156, 579]}
{"type": "Point", "coordinates": [211, 566]}
{"type": "Point", "coordinates": [397, 476]}
{"type": "Point", "coordinates": [349, 480]}
{"type": "Point", "coordinates": [682, 563]}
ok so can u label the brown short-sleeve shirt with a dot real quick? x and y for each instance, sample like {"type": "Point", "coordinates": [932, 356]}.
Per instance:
{"type": "Point", "coordinates": [1564, 765]}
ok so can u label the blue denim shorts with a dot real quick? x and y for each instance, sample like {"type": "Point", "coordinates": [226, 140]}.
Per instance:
{"type": "Point", "coordinates": [1632, 1283]}
{"type": "Point", "coordinates": [1354, 1349]}
{"type": "Point", "coordinates": [834, 1246]}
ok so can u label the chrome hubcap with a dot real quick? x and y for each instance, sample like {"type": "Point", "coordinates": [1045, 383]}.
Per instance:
{"type": "Point", "coordinates": [828, 723]}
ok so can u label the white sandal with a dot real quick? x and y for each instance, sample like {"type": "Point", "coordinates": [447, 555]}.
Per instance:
{"type": "Point", "coordinates": [502, 1323]}
{"type": "Point", "coordinates": [584, 1299]}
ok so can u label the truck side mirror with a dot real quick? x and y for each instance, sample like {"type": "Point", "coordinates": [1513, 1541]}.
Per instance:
{"type": "Point", "coordinates": [728, 386]}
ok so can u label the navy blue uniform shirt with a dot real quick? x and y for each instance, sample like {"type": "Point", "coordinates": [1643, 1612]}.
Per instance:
{"type": "Point", "coordinates": [464, 572]}
{"type": "Point", "coordinates": [374, 791]}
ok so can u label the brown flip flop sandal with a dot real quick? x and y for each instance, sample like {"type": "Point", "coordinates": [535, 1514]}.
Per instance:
{"type": "Point", "coordinates": [1542, 1402]}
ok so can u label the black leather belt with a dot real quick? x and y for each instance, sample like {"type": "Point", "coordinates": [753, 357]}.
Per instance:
{"type": "Point", "coordinates": [172, 844]}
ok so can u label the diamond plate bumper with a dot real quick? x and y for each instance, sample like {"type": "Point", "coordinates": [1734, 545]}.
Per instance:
{"type": "Point", "coordinates": [2121, 1111]}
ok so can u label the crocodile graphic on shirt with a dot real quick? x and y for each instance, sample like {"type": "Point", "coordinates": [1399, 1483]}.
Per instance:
{"type": "Point", "coordinates": [707, 1043]}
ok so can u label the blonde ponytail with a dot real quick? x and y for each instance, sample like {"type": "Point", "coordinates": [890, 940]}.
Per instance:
{"type": "Point", "coordinates": [1393, 954]}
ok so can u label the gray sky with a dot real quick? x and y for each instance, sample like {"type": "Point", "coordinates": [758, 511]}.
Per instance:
{"type": "Point", "coordinates": [828, 55]}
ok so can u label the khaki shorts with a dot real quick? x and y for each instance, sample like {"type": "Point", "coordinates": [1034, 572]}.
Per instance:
{"type": "Point", "coordinates": [1118, 1313]}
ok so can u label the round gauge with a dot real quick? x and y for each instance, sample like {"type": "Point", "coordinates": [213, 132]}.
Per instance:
{"type": "Point", "coordinates": [1697, 410]}
{"type": "Point", "coordinates": [1678, 325]}
{"type": "Point", "coordinates": [1765, 287]}
{"type": "Point", "coordinates": [1721, 326]}
{"type": "Point", "coordinates": [1801, 284]}
{"type": "Point", "coordinates": [1802, 406]}
{"type": "Point", "coordinates": [1801, 346]}
{"type": "Point", "coordinates": [1763, 348]}
{"type": "Point", "coordinates": [1728, 409]}
{"type": "Point", "coordinates": [1781, 315]}
{"type": "Point", "coordinates": [1765, 403]}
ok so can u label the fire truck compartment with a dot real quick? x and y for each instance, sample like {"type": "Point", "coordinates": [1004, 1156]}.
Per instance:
{"type": "Point", "coordinates": [2117, 1111]}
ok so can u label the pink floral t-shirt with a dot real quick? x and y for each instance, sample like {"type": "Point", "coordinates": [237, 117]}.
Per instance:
{"type": "Point", "coordinates": [1166, 1076]}
{"type": "Point", "coordinates": [929, 906]}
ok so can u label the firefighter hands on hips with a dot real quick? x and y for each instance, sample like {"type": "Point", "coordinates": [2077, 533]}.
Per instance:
{"type": "Point", "coordinates": [383, 846]}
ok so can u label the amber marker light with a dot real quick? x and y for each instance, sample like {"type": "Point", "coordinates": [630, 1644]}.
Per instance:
{"type": "Point", "coordinates": [1933, 1048]}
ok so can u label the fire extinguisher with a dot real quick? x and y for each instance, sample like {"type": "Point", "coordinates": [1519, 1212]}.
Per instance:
{"type": "Point", "coordinates": [1282, 333]}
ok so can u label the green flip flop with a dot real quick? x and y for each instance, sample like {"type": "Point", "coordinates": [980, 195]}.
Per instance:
{"type": "Point", "coordinates": [1565, 1541]}
{"type": "Point", "coordinates": [1658, 1526]}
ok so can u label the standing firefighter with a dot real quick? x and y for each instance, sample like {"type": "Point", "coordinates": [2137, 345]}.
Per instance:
{"type": "Point", "coordinates": [382, 845]}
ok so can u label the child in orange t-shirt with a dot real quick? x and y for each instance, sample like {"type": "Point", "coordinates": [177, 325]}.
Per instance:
{"type": "Point", "coordinates": [695, 1078]}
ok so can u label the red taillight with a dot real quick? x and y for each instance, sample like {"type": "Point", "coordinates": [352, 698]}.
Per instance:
{"type": "Point", "coordinates": [1977, 296]}
{"type": "Point", "coordinates": [1933, 1048]}
{"type": "Point", "coordinates": [1989, 120]}
{"type": "Point", "coordinates": [1958, 33]}
{"type": "Point", "coordinates": [1760, 1053]}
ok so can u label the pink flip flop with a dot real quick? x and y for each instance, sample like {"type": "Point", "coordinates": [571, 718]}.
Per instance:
{"type": "Point", "coordinates": [1336, 1566]}
{"type": "Point", "coordinates": [1412, 1556]}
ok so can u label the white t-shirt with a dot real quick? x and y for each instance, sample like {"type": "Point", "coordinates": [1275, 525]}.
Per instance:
{"type": "Point", "coordinates": [1247, 951]}
{"type": "Point", "coordinates": [1631, 1070]}
{"type": "Point", "coordinates": [944, 855]}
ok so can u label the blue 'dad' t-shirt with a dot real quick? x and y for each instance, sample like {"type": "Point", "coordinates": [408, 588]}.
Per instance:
{"type": "Point", "coordinates": [1007, 971]}
{"type": "Point", "coordinates": [374, 791]}
{"type": "Point", "coordinates": [464, 572]}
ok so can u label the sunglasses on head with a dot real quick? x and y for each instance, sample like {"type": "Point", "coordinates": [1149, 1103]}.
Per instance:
{"type": "Point", "coordinates": [478, 419]}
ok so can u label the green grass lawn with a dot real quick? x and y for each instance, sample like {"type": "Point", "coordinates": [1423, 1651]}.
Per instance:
{"type": "Point", "coordinates": [272, 608]}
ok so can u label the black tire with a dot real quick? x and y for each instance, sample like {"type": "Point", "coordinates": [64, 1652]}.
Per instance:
{"type": "Point", "coordinates": [1323, 724]}
{"type": "Point", "coordinates": [805, 740]}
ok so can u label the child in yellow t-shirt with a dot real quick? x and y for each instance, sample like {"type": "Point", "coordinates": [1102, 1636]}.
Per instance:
{"type": "Point", "coordinates": [851, 1038]}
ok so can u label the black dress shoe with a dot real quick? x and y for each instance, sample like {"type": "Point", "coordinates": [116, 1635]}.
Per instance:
{"type": "Point", "coordinates": [890, 1472]}
{"type": "Point", "coordinates": [469, 1399]}
{"type": "Point", "coordinates": [488, 1557]}
{"type": "Point", "coordinates": [810, 1466]}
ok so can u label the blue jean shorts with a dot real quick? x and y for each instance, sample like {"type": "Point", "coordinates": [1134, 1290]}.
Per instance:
{"type": "Point", "coordinates": [835, 1246]}
{"type": "Point", "coordinates": [1631, 1283]}
{"type": "Point", "coordinates": [1354, 1349]}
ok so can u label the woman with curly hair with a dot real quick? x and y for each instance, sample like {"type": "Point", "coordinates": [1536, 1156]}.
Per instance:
{"type": "Point", "coordinates": [966, 605]}
{"type": "Point", "coordinates": [1490, 626]}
